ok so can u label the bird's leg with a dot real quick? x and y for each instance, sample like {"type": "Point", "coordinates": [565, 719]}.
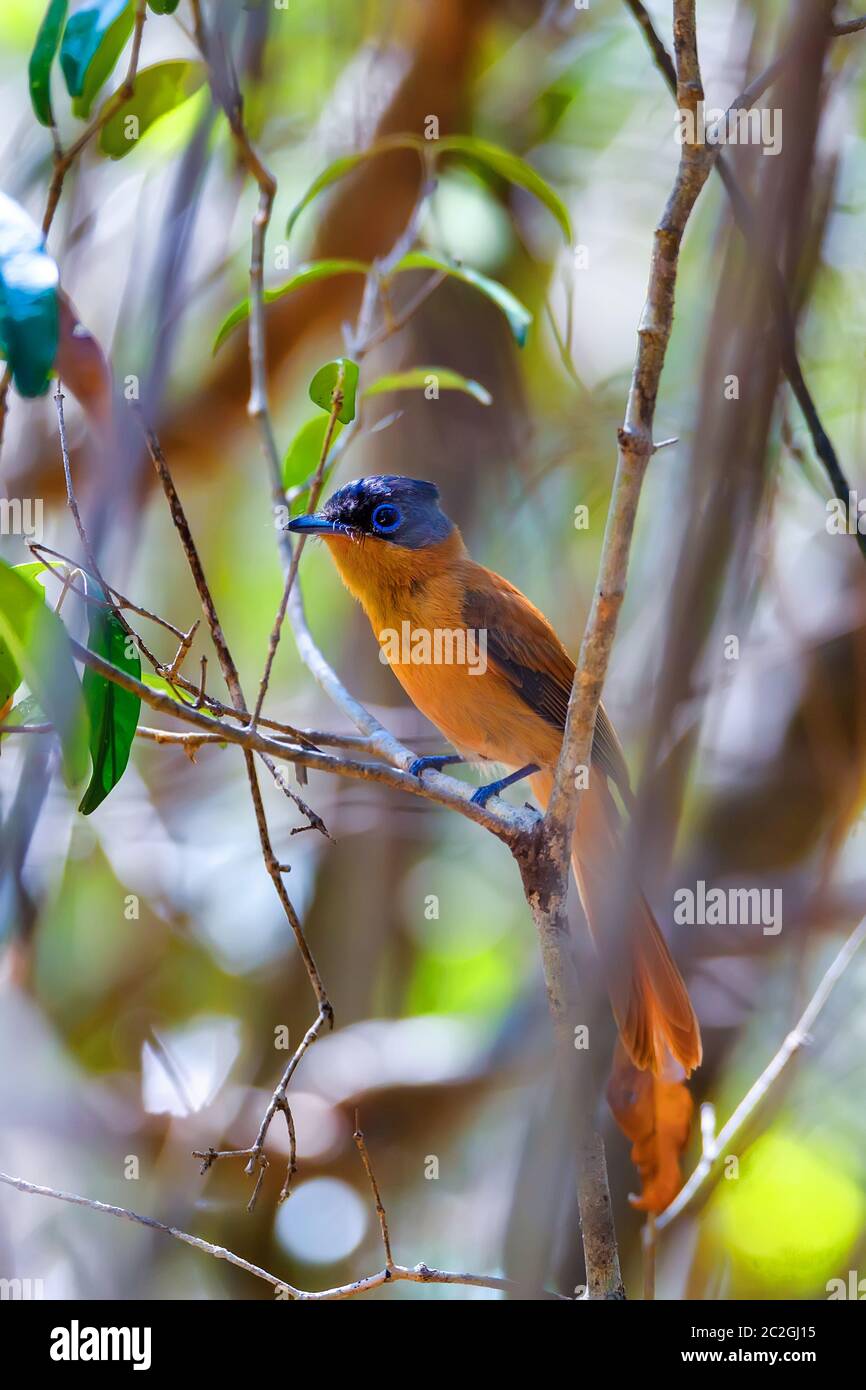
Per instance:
{"type": "Point", "coordinates": [437, 760]}
{"type": "Point", "coordinates": [483, 794]}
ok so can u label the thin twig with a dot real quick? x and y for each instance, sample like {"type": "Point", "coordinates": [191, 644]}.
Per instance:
{"type": "Point", "coordinates": [361, 1146]}
{"type": "Point", "coordinates": [420, 1274]}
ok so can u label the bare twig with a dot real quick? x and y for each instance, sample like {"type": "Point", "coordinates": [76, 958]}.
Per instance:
{"type": "Point", "coordinates": [420, 1274]}
{"type": "Point", "coordinates": [361, 1146]}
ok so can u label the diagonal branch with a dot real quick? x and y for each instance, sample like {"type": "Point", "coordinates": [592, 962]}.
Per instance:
{"type": "Point", "coordinates": [745, 218]}
{"type": "Point", "coordinates": [799, 1036]}
{"type": "Point", "coordinates": [420, 1274]}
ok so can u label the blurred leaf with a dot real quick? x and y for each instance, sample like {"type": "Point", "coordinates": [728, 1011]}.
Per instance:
{"type": "Point", "coordinates": [342, 373]}
{"type": "Point", "coordinates": [518, 316]}
{"type": "Point", "coordinates": [31, 571]}
{"type": "Point", "coordinates": [28, 300]}
{"type": "Point", "coordinates": [418, 379]}
{"type": "Point", "coordinates": [305, 450]}
{"type": "Point", "coordinates": [113, 712]}
{"type": "Point", "coordinates": [158, 90]}
{"type": "Point", "coordinates": [82, 365]}
{"type": "Point", "coordinates": [27, 711]}
{"type": "Point", "coordinates": [92, 43]}
{"type": "Point", "coordinates": [37, 641]}
{"type": "Point", "coordinates": [163, 6]}
{"type": "Point", "coordinates": [655, 1113]}
{"type": "Point", "coordinates": [10, 675]}
{"type": "Point", "coordinates": [345, 164]}
{"type": "Point", "coordinates": [160, 684]}
{"type": "Point", "coordinates": [511, 167]}
{"type": "Point", "coordinates": [312, 270]}
{"type": "Point", "coordinates": [41, 59]}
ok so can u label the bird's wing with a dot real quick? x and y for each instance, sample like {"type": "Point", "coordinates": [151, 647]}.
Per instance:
{"type": "Point", "coordinates": [525, 648]}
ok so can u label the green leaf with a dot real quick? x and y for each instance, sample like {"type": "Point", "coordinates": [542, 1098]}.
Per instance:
{"type": "Point", "coordinates": [27, 711]}
{"type": "Point", "coordinates": [518, 316]}
{"type": "Point", "coordinates": [31, 571]}
{"type": "Point", "coordinates": [342, 373]}
{"type": "Point", "coordinates": [345, 164]}
{"type": "Point", "coordinates": [158, 90]}
{"type": "Point", "coordinates": [304, 452]}
{"type": "Point", "coordinates": [312, 270]}
{"type": "Point", "coordinates": [418, 379]}
{"type": "Point", "coordinates": [113, 711]}
{"type": "Point", "coordinates": [10, 672]}
{"type": "Point", "coordinates": [163, 6]}
{"type": "Point", "coordinates": [41, 59]}
{"type": "Point", "coordinates": [160, 684]}
{"type": "Point", "coordinates": [514, 169]}
{"type": "Point", "coordinates": [29, 316]}
{"type": "Point", "coordinates": [37, 641]}
{"type": "Point", "coordinates": [92, 43]}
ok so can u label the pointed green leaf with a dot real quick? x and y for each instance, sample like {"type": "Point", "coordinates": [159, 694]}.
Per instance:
{"type": "Point", "coordinates": [518, 316]}
{"type": "Point", "coordinates": [158, 90]}
{"type": "Point", "coordinates": [92, 44]}
{"type": "Point", "coordinates": [41, 59]}
{"type": "Point", "coordinates": [514, 169]}
{"type": "Point", "coordinates": [422, 378]}
{"type": "Point", "coordinates": [113, 711]}
{"type": "Point", "coordinates": [163, 6]}
{"type": "Point", "coordinates": [305, 451]}
{"type": "Point", "coordinates": [37, 641]}
{"type": "Point", "coordinates": [340, 374]}
{"type": "Point", "coordinates": [312, 270]}
{"type": "Point", "coordinates": [29, 316]}
{"type": "Point", "coordinates": [345, 164]}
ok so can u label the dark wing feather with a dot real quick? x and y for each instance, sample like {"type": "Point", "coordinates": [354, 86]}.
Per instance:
{"type": "Point", "coordinates": [524, 647]}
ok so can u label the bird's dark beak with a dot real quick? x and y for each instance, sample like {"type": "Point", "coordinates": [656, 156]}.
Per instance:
{"type": "Point", "coordinates": [316, 524]}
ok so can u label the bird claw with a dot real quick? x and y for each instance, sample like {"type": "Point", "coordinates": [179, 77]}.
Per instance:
{"type": "Point", "coordinates": [483, 794]}
{"type": "Point", "coordinates": [434, 760]}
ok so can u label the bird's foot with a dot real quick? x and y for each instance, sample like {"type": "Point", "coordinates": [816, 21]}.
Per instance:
{"type": "Point", "coordinates": [483, 794]}
{"type": "Point", "coordinates": [435, 760]}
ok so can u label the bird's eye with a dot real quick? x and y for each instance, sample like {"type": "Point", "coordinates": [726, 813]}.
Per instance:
{"type": "Point", "coordinates": [386, 519]}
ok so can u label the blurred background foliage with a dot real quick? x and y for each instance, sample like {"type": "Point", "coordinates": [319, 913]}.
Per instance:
{"type": "Point", "coordinates": [147, 962]}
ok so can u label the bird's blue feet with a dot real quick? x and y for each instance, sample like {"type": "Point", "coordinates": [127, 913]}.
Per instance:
{"type": "Point", "coordinates": [436, 760]}
{"type": "Point", "coordinates": [483, 794]}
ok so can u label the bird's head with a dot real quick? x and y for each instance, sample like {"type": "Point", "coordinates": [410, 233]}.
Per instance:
{"type": "Point", "coordinates": [386, 534]}
{"type": "Point", "coordinates": [396, 511]}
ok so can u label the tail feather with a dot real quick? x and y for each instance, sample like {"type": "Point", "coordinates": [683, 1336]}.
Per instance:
{"type": "Point", "coordinates": [649, 998]}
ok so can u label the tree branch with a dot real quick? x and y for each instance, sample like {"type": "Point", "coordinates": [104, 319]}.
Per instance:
{"type": "Point", "coordinates": [744, 217]}
{"type": "Point", "coordinates": [420, 1274]}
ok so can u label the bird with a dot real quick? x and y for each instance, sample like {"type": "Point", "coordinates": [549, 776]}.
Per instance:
{"type": "Point", "coordinates": [406, 563]}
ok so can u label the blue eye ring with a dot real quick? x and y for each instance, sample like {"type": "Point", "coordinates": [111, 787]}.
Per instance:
{"type": "Point", "coordinates": [386, 524]}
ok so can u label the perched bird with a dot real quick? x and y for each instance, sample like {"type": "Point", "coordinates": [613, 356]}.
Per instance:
{"type": "Point", "coordinates": [407, 565]}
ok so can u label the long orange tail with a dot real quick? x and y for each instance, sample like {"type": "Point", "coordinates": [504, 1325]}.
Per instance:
{"type": "Point", "coordinates": [649, 998]}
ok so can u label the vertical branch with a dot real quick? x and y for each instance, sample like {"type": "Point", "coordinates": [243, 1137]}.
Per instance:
{"type": "Point", "coordinates": [546, 868]}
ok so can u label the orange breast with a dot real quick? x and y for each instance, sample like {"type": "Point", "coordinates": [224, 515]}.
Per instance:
{"type": "Point", "coordinates": [414, 600]}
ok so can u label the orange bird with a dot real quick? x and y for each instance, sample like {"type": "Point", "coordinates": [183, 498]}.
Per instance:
{"type": "Point", "coordinates": [504, 702]}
